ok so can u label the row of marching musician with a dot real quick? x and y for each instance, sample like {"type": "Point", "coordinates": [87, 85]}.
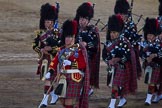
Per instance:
{"type": "Point", "coordinates": [122, 52]}
{"type": "Point", "coordinates": [69, 58]}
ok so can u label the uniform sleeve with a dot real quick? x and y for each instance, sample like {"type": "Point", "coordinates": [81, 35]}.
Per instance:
{"type": "Point", "coordinates": [142, 54]}
{"type": "Point", "coordinates": [104, 54]}
{"type": "Point", "coordinates": [35, 44]}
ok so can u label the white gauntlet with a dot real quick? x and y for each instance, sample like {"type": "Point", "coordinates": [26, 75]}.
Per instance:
{"type": "Point", "coordinates": [66, 62]}
{"type": "Point", "coordinates": [48, 75]}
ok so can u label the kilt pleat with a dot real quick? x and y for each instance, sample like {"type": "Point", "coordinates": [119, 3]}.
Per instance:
{"type": "Point", "coordinates": [155, 78]}
{"type": "Point", "coordinates": [161, 74]}
{"type": "Point", "coordinates": [120, 77]}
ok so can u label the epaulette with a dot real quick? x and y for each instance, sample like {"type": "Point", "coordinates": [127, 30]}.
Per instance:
{"type": "Point", "coordinates": [38, 32]}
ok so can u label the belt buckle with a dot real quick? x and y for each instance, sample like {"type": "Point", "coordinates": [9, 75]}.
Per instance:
{"type": "Point", "coordinates": [63, 71]}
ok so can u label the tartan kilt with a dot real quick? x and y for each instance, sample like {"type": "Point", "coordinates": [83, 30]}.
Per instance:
{"type": "Point", "coordinates": [73, 87]}
{"type": "Point", "coordinates": [124, 77]}
{"type": "Point", "coordinates": [161, 74]}
{"type": "Point", "coordinates": [155, 77]}
{"type": "Point", "coordinates": [120, 77]}
{"type": "Point", "coordinates": [94, 72]}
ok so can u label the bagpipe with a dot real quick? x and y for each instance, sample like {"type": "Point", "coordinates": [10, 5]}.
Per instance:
{"type": "Point", "coordinates": [118, 48]}
{"type": "Point", "coordinates": [87, 34]}
{"type": "Point", "coordinates": [160, 22]}
{"type": "Point", "coordinates": [149, 48]}
{"type": "Point", "coordinates": [130, 28]}
{"type": "Point", "coordinates": [132, 18]}
{"type": "Point", "coordinates": [86, 37]}
{"type": "Point", "coordinates": [56, 26]}
{"type": "Point", "coordinates": [91, 37]}
{"type": "Point", "coordinates": [91, 40]}
{"type": "Point", "coordinates": [130, 32]}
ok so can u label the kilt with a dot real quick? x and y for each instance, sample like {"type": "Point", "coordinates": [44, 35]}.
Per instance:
{"type": "Point", "coordinates": [161, 74]}
{"type": "Point", "coordinates": [94, 65]}
{"type": "Point", "coordinates": [73, 87]}
{"type": "Point", "coordinates": [126, 78]}
{"type": "Point", "coordinates": [155, 77]}
{"type": "Point", "coordinates": [120, 77]}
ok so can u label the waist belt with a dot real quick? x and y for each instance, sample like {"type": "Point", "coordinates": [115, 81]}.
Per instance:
{"type": "Point", "coordinates": [68, 71]}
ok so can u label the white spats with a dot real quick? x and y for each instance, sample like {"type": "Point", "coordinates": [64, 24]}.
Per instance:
{"type": "Point", "coordinates": [122, 102]}
{"type": "Point", "coordinates": [45, 99]}
{"type": "Point", "coordinates": [112, 103]}
{"type": "Point", "coordinates": [54, 98]}
{"type": "Point", "coordinates": [148, 99]}
{"type": "Point", "coordinates": [160, 97]}
{"type": "Point", "coordinates": [155, 99]}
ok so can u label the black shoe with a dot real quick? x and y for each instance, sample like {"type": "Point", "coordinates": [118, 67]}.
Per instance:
{"type": "Point", "coordinates": [155, 102]}
{"type": "Point", "coordinates": [43, 106]}
{"type": "Point", "coordinates": [147, 104]}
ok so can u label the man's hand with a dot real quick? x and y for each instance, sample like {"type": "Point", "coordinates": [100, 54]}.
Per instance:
{"type": "Point", "coordinates": [48, 48]}
{"type": "Point", "coordinates": [113, 61]}
{"type": "Point", "coordinates": [149, 59]}
{"type": "Point", "coordinates": [116, 60]}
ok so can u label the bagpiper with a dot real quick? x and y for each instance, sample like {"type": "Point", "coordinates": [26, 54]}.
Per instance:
{"type": "Point", "coordinates": [129, 31]}
{"type": "Point", "coordinates": [73, 74]}
{"type": "Point", "coordinates": [46, 44]}
{"type": "Point", "coordinates": [88, 34]}
{"type": "Point", "coordinates": [119, 55]}
{"type": "Point", "coordinates": [158, 95]}
{"type": "Point", "coordinates": [150, 53]}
